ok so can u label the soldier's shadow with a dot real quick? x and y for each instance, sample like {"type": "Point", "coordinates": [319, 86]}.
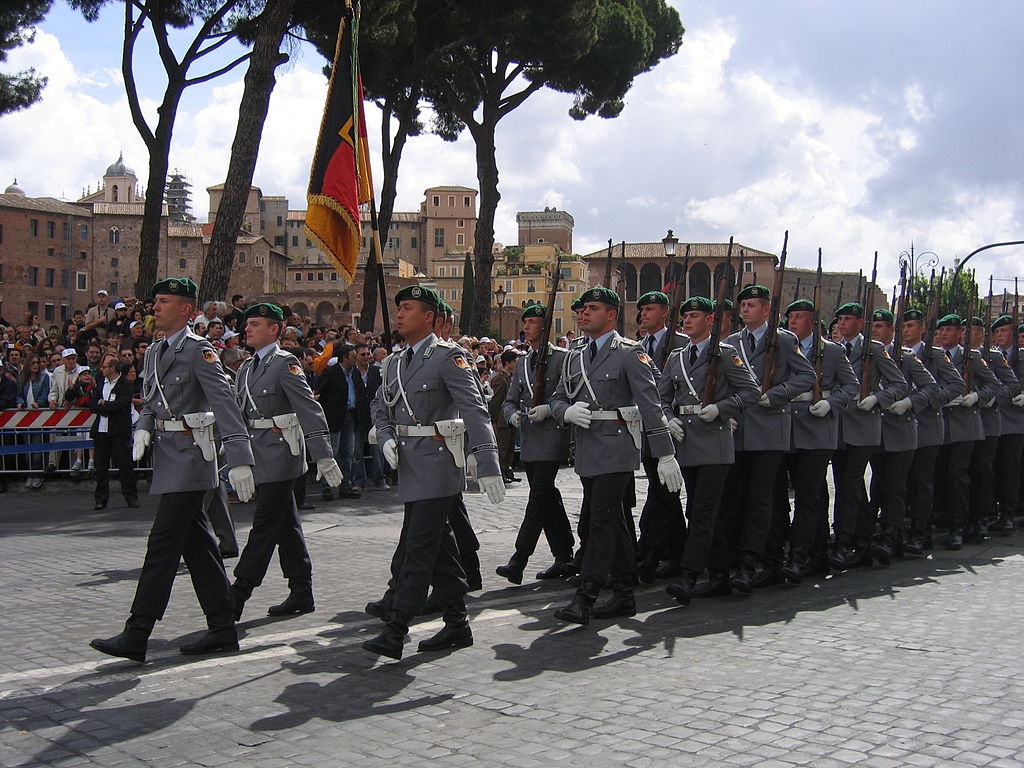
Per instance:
{"type": "Point", "coordinates": [112, 576]}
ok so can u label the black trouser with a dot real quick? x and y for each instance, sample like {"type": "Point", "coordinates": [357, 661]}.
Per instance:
{"type": "Point", "coordinates": [215, 504]}
{"type": "Point", "coordinates": [745, 514]}
{"type": "Point", "coordinates": [921, 489]}
{"type": "Point", "coordinates": [180, 531]}
{"type": "Point", "coordinates": [952, 484]}
{"type": "Point", "coordinates": [662, 525]}
{"type": "Point", "coordinates": [299, 488]}
{"type": "Point", "coordinates": [704, 487]}
{"type": "Point", "coordinates": [982, 479]}
{"type": "Point", "coordinates": [427, 554]}
{"type": "Point", "coordinates": [544, 513]}
{"type": "Point", "coordinates": [1008, 471]}
{"type": "Point", "coordinates": [809, 528]}
{"type": "Point", "coordinates": [611, 546]}
{"type": "Point", "coordinates": [465, 538]}
{"type": "Point", "coordinates": [851, 505]}
{"type": "Point", "coordinates": [506, 440]}
{"type": "Point", "coordinates": [889, 471]}
{"type": "Point", "coordinates": [275, 523]}
{"type": "Point", "coordinates": [118, 449]}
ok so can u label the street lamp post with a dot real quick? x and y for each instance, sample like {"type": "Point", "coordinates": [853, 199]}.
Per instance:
{"type": "Point", "coordinates": [913, 263]}
{"type": "Point", "coordinates": [499, 295]}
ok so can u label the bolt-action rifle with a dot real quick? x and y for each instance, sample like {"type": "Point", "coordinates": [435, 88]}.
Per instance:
{"type": "Point", "coordinates": [772, 333]}
{"type": "Point", "coordinates": [543, 354]}
{"type": "Point", "coordinates": [866, 352]}
{"type": "Point", "coordinates": [722, 292]}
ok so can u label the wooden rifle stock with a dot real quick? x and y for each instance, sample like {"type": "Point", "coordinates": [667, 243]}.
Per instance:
{"type": "Point", "coordinates": [772, 332]}
{"type": "Point", "coordinates": [714, 352]}
{"type": "Point", "coordinates": [866, 352]}
{"type": "Point", "coordinates": [676, 299]}
{"type": "Point", "coordinates": [968, 374]}
{"type": "Point", "coordinates": [608, 267]}
{"type": "Point", "coordinates": [544, 352]}
{"type": "Point", "coordinates": [901, 307]}
{"type": "Point", "coordinates": [816, 334]}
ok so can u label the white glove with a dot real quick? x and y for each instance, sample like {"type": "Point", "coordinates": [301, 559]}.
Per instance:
{"type": "Point", "coordinates": [765, 402]}
{"type": "Point", "coordinates": [733, 425]}
{"type": "Point", "coordinates": [494, 487]}
{"type": "Point", "coordinates": [676, 429]}
{"type": "Point", "coordinates": [708, 413]}
{"type": "Point", "coordinates": [900, 406]}
{"type": "Point", "coordinates": [990, 403]}
{"type": "Point", "coordinates": [970, 400]}
{"type": "Point", "coordinates": [868, 403]}
{"type": "Point", "coordinates": [471, 467]}
{"type": "Point", "coordinates": [243, 482]}
{"type": "Point", "coordinates": [390, 451]}
{"type": "Point", "coordinates": [955, 401]}
{"type": "Point", "coordinates": [539, 413]}
{"type": "Point", "coordinates": [578, 414]}
{"type": "Point", "coordinates": [371, 436]}
{"type": "Point", "coordinates": [140, 442]}
{"type": "Point", "coordinates": [670, 474]}
{"type": "Point", "coordinates": [329, 470]}
{"type": "Point", "coordinates": [1018, 400]}
{"type": "Point", "coordinates": [516, 420]}
{"type": "Point", "coordinates": [821, 409]}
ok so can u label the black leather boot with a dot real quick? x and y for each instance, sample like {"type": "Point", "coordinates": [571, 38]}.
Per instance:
{"type": "Point", "coordinates": [647, 569]}
{"type": "Point", "coordinates": [456, 635]}
{"type": "Point", "coordinates": [241, 593]}
{"type": "Point", "coordinates": [560, 569]}
{"type": "Point", "coordinates": [221, 637]}
{"type": "Point", "coordinates": [793, 570]}
{"type": "Point", "coordinates": [717, 585]}
{"type": "Point", "coordinates": [389, 642]}
{"type": "Point", "coordinates": [129, 644]}
{"type": "Point", "coordinates": [683, 590]}
{"type": "Point", "coordinates": [743, 579]}
{"type": "Point", "coordinates": [513, 571]}
{"type": "Point", "coordinates": [621, 604]}
{"type": "Point", "coordinates": [299, 601]}
{"type": "Point", "coordinates": [578, 611]}
{"type": "Point", "coordinates": [884, 546]}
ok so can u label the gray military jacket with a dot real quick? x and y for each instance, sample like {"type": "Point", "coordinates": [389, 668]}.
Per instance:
{"type": "Point", "coordinates": [992, 415]}
{"type": "Point", "coordinates": [659, 358]}
{"type": "Point", "coordinates": [838, 387]}
{"type": "Point", "coordinates": [620, 376]}
{"type": "Point", "coordinates": [899, 433]}
{"type": "Point", "coordinates": [928, 403]}
{"type": "Point", "coordinates": [437, 384]}
{"type": "Point", "coordinates": [188, 378]}
{"type": "Point", "coordinates": [682, 387]}
{"type": "Point", "coordinates": [275, 387]}
{"type": "Point", "coordinates": [544, 440]}
{"type": "Point", "coordinates": [862, 428]}
{"type": "Point", "coordinates": [965, 424]}
{"type": "Point", "coordinates": [769, 429]}
{"type": "Point", "coordinates": [1012, 415]}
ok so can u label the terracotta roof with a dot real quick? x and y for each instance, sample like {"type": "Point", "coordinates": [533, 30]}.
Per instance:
{"type": "Point", "coordinates": [43, 205]}
{"type": "Point", "coordinates": [698, 251]}
{"type": "Point", "coordinates": [453, 188]}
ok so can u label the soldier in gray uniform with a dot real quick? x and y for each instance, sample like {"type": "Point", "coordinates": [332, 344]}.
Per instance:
{"type": "Point", "coordinates": [662, 524]}
{"type": "Point", "coordinates": [609, 392]}
{"type": "Point", "coordinates": [860, 434]}
{"type": "Point", "coordinates": [285, 425]}
{"type": "Point", "coordinates": [930, 430]}
{"type": "Point", "coordinates": [1011, 405]}
{"type": "Point", "coordinates": [427, 412]}
{"type": "Point", "coordinates": [544, 446]}
{"type": "Point", "coordinates": [983, 458]}
{"type": "Point", "coordinates": [963, 430]}
{"type": "Point", "coordinates": [762, 439]}
{"type": "Point", "coordinates": [891, 464]}
{"type": "Point", "coordinates": [815, 435]}
{"type": "Point", "coordinates": [186, 393]}
{"type": "Point", "coordinates": [703, 432]}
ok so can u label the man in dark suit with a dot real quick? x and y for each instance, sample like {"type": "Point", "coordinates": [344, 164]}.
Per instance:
{"type": "Point", "coordinates": [366, 381]}
{"type": "Point", "coordinates": [111, 432]}
{"type": "Point", "coordinates": [339, 407]}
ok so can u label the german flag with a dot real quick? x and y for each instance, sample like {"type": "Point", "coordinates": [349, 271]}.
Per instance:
{"type": "Point", "coordinates": [340, 177]}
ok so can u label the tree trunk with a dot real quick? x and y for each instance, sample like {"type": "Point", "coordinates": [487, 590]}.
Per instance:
{"type": "Point", "coordinates": [152, 218]}
{"type": "Point", "coordinates": [272, 25]}
{"type": "Point", "coordinates": [468, 286]}
{"type": "Point", "coordinates": [487, 177]}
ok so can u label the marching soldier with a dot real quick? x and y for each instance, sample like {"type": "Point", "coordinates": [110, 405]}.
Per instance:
{"type": "Point", "coordinates": [186, 392]}
{"type": "Point", "coordinates": [609, 392]}
{"type": "Point", "coordinates": [927, 407]}
{"type": "Point", "coordinates": [662, 525]}
{"type": "Point", "coordinates": [815, 435]}
{"type": "Point", "coordinates": [1011, 442]}
{"type": "Point", "coordinates": [860, 434]}
{"type": "Point", "coordinates": [285, 424]}
{"type": "Point", "coordinates": [761, 440]}
{"type": "Point", "coordinates": [544, 446]}
{"type": "Point", "coordinates": [704, 433]}
{"type": "Point", "coordinates": [427, 411]}
{"type": "Point", "coordinates": [983, 458]}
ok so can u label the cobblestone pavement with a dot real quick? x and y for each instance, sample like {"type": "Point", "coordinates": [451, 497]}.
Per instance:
{"type": "Point", "coordinates": [915, 665]}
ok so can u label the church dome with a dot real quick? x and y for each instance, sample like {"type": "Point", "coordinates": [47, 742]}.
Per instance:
{"type": "Point", "coordinates": [119, 168]}
{"type": "Point", "coordinates": [14, 189]}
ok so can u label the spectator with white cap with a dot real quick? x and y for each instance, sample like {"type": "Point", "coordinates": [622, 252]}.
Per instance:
{"type": "Point", "coordinates": [64, 376]}
{"type": "Point", "coordinates": [121, 323]}
{"type": "Point", "coordinates": [99, 315]}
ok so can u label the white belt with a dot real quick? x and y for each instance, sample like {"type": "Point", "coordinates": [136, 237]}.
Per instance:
{"type": "Point", "coordinates": [685, 410]}
{"type": "Point", "coordinates": [806, 397]}
{"type": "Point", "coordinates": [262, 424]}
{"type": "Point", "coordinates": [167, 425]}
{"type": "Point", "coordinates": [605, 415]}
{"type": "Point", "coordinates": [410, 430]}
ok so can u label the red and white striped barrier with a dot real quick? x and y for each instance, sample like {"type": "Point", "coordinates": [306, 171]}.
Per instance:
{"type": "Point", "coordinates": [44, 418]}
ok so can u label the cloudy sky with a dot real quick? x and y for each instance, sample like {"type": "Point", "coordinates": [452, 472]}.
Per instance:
{"type": "Point", "coordinates": [855, 126]}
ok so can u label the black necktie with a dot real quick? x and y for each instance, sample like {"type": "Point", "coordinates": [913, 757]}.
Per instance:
{"type": "Point", "coordinates": [693, 354]}
{"type": "Point", "coordinates": [593, 350]}
{"type": "Point", "coordinates": [650, 345]}
{"type": "Point", "coordinates": [849, 350]}
{"type": "Point", "coordinates": [408, 355]}
{"type": "Point", "coordinates": [163, 348]}
{"type": "Point", "coordinates": [751, 342]}
{"type": "Point", "coordinates": [533, 361]}
{"type": "Point", "coordinates": [256, 360]}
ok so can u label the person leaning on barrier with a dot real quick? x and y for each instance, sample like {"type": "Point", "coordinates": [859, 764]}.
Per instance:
{"type": "Point", "coordinates": [285, 423]}
{"type": "Point", "coordinates": [186, 393]}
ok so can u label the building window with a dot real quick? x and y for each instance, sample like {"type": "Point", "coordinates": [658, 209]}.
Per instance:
{"type": "Point", "coordinates": [49, 276]}
{"type": "Point", "coordinates": [309, 243]}
{"type": "Point", "coordinates": [263, 207]}
{"type": "Point", "coordinates": [64, 279]}
{"type": "Point", "coordinates": [455, 271]}
{"type": "Point", "coordinates": [1, 233]}
{"type": "Point", "coordinates": [558, 325]}
{"type": "Point", "coordinates": [83, 232]}
{"type": "Point", "coordinates": [32, 275]}
{"type": "Point", "coordinates": [439, 238]}
{"type": "Point", "coordinates": [33, 227]}
{"type": "Point", "coordinates": [451, 201]}
{"type": "Point", "coordinates": [298, 277]}
{"type": "Point", "coordinates": [182, 263]}
{"type": "Point", "coordinates": [66, 232]}
{"type": "Point", "coordinates": [531, 286]}
{"type": "Point", "coordinates": [113, 261]}
{"type": "Point", "coordinates": [241, 257]}
{"type": "Point", "coordinates": [263, 225]}
{"type": "Point", "coordinates": [33, 307]}
{"type": "Point", "coordinates": [748, 266]}
{"type": "Point", "coordinates": [83, 255]}
{"type": "Point", "coordinates": [260, 261]}
{"type": "Point", "coordinates": [393, 242]}
{"type": "Point", "coordinates": [280, 221]}
{"type": "Point", "coordinates": [51, 229]}
{"type": "Point", "coordinates": [461, 223]}
{"type": "Point", "coordinates": [460, 238]}
{"type": "Point", "coordinates": [414, 243]}
{"type": "Point", "coordinates": [114, 289]}
{"type": "Point", "coordinates": [309, 277]}
{"type": "Point", "coordinates": [437, 200]}
{"type": "Point", "coordinates": [295, 241]}
{"type": "Point", "coordinates": [114, 236]}
{"type": "Point", "coordinates": [113, 194]}
{"type": "Point", "coordinates": [558, 301]}
{"type": "Point", "coordinates": [49, 251]}
{"type": "Point", "coordinates": [319, 277]}
{"type": "Point", "coordinates": [278, 240]}
{"type": "Point", "coordinates": [442, 272]}
{"type": "Point", "coordinates": [465, 201]}
{"type": "Point", "coordinates": [334, 277]}
{"type": "Point", "coordinates": [81, 281]}
{"type": "Point", "coordinates": [540, 240]}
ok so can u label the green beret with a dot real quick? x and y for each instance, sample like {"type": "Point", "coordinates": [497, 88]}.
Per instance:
{"type": "Point", "coordinates": [754, 292]}
{"type": "Point", "coordinates": [851, 308]}
{"type": "Point", "coordinates": [728, 304]}
{"type": "Point", "coordinates": [577, 304]}
{"type": "Point", "coordinates": [1020, 328]}
{"type": "Point", "coordinates": [948, 321]}
{"type": "Point", "coordinates": [1002, 320]}
{"type": "Point", "coordinates": [177, 286]}
{"type": "Point", "coordinates": [882, 316]}
{"type": "Point", "coordinates": [419, 293]}
{"type": "Point", "coordinates": [535, 310]}
{"type": "Point", "coordinates": [652, 297]}
{"type": "Point", "coordinates": [266, 309]}
{"type": "Point", "coordinates": [602, 294]}
{"type": "Point", "coordinates": [975, 321]}
{"type": "Point", "coordinates": [800, 305]}
{"type": "Point", "coordinates": [913, 314]}
{"type": "Point", "coordinates": [698, 304]}
{"type": "Point", "coordinates": [442, 307]}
